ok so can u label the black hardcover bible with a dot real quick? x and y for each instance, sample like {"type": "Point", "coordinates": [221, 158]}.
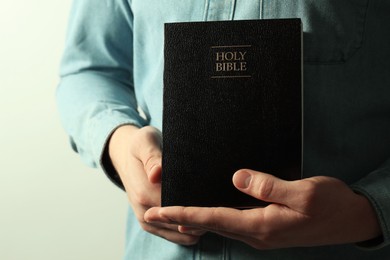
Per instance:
{"type": "Point", "coordinates": [232, 100]}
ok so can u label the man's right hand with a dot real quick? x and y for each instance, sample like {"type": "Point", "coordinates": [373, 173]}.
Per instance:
{"type": "Point", "coordinates": [136, 156]}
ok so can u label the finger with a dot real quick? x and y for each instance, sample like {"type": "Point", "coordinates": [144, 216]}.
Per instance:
{"type": "Point", "coordinates": [140, 191]}
{"type": "Point", "coordinates": [150, 153]}
{"type": "Point", "coordinates": [235, 236]}
{"type": "Point", "coordinates": [252, 227]}
{"type": "Point", "coordinates": [191, 230]}
{"type": "Point", "coordinates": [210, 219]}
{"type": "Point", "coordinates": [173, 235]}
{"type": "Point", "coordinates": [173, 227]}
{"type": "Point", "coordinates": [139, 211]}
{"type": "Point", "coordinates": [154, 175]}
{"type": "Point", "coordinates": [266, 187]}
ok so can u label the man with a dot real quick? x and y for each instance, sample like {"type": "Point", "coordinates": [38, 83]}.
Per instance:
{"type": "Point", "coordinates": [112, 68]}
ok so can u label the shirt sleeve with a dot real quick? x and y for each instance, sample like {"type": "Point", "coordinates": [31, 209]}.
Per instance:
{"type": "Point", "coordinates": [376, 187]}
{"type": "Point", "coordinates": [96, 93]}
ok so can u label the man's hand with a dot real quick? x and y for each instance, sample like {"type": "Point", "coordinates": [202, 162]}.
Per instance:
{"type": "Point", "coordinates": [309, 212]}
{"type": "Point", "coordinates": [136, 155]}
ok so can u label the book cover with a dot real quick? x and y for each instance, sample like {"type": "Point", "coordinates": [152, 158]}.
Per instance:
{"type": "Point", "coordinates": [232, 100]}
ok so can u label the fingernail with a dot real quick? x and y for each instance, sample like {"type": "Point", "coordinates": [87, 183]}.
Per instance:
{"type": "Point", "coordinates": [242, 179]}
{"type": "Point", "coordinates": [191, 230]}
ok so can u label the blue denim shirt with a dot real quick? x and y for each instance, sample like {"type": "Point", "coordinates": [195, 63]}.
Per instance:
{"type": "Point", "coordinates": [113, 65]}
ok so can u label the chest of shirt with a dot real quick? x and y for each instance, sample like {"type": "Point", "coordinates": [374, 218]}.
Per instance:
{"type": "Point", "coordinates": [333, 30]}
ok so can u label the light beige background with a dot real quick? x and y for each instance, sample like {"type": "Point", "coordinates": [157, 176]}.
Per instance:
{"type": "Point", "coordinates": [51, 205]}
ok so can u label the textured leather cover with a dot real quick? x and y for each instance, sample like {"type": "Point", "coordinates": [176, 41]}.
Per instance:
{"type": "Point", "coordinates": [232, 100]}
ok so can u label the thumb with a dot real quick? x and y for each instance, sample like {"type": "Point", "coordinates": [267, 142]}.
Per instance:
{"type": "Point", "coordinates": [150, 153]}
{"type": "Point", "coordinates": [264, 186]}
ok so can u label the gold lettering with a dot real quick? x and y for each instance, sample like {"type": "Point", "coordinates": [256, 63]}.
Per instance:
{"type": "Point", "coordinates": [229, 56]}
{"type": "Point", "coordinates": [230, 66]}
{"type": "Point", "coordinates": [242, 55]}
{"type": "Point", "coordinates": [230, 61]}
{"type": "Point", "coordinates": [243, 66]}
{"type": "Point", "coordinates": [220, 56]}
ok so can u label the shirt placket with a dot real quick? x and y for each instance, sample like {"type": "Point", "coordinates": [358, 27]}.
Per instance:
{"type": "Point", "coordinates": [219, 10]}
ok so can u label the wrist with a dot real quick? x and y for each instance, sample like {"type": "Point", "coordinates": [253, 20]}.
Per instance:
{"type": "Point", "coordinates": [119, 145]}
